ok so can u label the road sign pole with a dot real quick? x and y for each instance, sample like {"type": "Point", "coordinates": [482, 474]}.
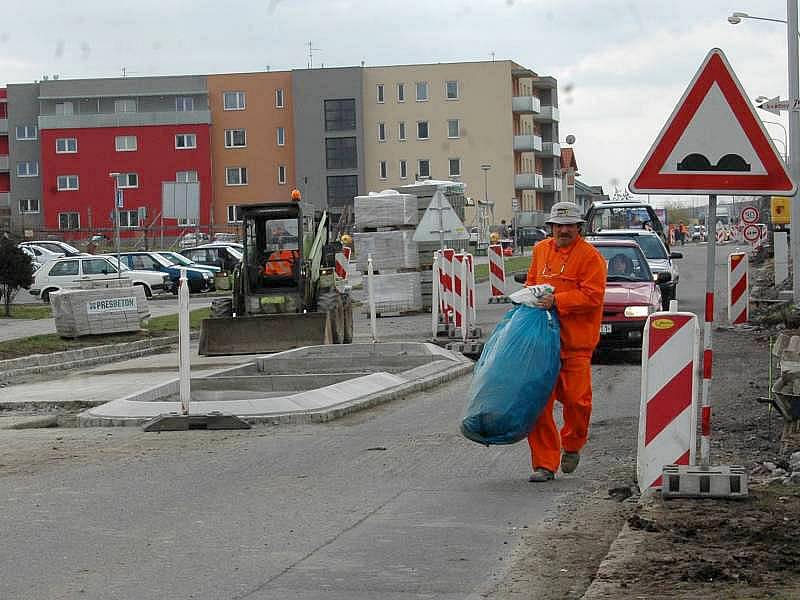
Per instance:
{"type": "Point", "coordinates": [705, 402]}
{"type": "Point", "coordinates": [794, 140]}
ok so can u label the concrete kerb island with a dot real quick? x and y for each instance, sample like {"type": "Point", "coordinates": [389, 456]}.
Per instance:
{"type": "Point", "coordinates": [310, 384]}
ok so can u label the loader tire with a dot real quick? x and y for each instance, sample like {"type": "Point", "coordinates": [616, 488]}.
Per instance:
{"type": "Point", "coordinates": [221, 307]}
{"type": "Point", "coordinates": [331, 303]}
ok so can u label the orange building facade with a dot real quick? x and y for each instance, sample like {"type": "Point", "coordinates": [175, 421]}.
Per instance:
{"type": "Point", "coordinates": [252, 143]}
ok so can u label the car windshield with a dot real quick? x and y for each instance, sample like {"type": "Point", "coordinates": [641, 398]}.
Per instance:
{"type": "Point", "coordinates": [625, 263]}
{"type": "Point", "coordinates": [235, 252]}
{"type": "Point", "coordinates": [176, 259]}
{"type": "Point", "coordinates": [122, 266]}
{"type": "Point", "coordinates": [619, 217]}
{"type": "Point", "coordinates": [160, 259]}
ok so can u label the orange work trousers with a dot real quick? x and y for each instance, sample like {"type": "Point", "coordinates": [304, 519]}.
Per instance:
{"type": "Point", "coordinates": [574, 391]}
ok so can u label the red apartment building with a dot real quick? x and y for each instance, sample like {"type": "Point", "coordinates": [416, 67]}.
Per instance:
{"type": "Point", "coordinates": [5, 178]}
{"type": "Point", "coordinates": [148, 130]}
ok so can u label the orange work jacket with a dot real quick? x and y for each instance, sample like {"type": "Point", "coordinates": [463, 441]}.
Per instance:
{"type": "Point", "coordinates": [578, 274]}
{"type": "Point", "coordinates": [281, 263]}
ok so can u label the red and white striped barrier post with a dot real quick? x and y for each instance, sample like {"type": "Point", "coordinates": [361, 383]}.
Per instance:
{"type": "Point", "coordinates": [473, 315]}
{"type": "Point", "coordinates": [497, 274]}
{"type": "Point", "coordinates": [738, 288]}
{"type": "Point", "coordinates": [342, 263]}
{"type": "Point", "coordinates": [447, 282]}
{"type": "Point", "coordinates": [668, 414]}
{"type": "Point", "coordinates": [460, 294]}
{"type": "Point", "coordinates": [708, 355]}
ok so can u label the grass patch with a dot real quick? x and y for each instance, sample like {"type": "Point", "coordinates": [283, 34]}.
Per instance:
{"type": "Point", "coordinates": [51, 342]}
{"type": "Point", "coordinates": [514, 264]}
{"type": "Point", "coordinates": [27, 311]}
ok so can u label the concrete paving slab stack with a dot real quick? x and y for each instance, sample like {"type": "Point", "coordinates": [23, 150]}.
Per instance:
{"type": "Point", "coordinates": [385, 223]}
{"type": "Point", "coordinates": [100, 310]}
{"type": "Point", "coordinates": [423, 191]}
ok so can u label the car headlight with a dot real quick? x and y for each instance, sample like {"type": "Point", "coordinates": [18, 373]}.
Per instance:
{"type": "Point", "coordinates": [206, 275]}
{"type": "Point", "coordinates": [637, 311]}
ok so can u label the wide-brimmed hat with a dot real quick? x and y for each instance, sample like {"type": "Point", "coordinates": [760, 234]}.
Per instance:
{"type": "Point", "coordinates": [565, 213]}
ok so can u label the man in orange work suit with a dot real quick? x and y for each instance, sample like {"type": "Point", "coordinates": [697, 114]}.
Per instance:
{"type": "Point", "coordinates": [577, 271]}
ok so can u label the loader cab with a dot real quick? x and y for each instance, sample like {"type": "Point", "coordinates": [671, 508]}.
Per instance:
{"type": "Point", "coordinates": [273, 252]}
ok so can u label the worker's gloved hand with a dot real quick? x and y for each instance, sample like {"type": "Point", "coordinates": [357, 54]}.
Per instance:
{"type": "Point", "coordinates": [538, 296]}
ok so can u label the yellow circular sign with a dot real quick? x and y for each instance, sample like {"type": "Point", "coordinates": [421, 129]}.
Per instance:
{"type": "Point", "coordinates": [663, 324]}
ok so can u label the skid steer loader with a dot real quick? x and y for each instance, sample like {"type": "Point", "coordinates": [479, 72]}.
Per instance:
{"type": "Point", "coordinates": [284, 292]}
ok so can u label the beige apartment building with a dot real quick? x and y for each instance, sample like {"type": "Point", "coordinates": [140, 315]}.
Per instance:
{"type": "Point", "coordinates": [491, 125]}
{"type": "Point", "coordinates": [252, 147]}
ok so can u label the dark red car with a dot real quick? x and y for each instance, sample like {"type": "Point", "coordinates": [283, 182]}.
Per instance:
{"type": "Point", "coordinates": [632, 293]}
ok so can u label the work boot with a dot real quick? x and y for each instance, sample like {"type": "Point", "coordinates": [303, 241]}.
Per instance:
{"type": "Point", "coordinates": [541, 474]}
{"type": "Point", "coordinates": [569, 461]}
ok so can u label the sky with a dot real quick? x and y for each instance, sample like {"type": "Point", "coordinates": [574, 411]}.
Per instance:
{"type": "Point", "coordinates": [621, 65]}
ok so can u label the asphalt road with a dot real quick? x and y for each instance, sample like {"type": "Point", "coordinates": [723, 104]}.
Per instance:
{"type": "Point", "coordinates": [389, 503]}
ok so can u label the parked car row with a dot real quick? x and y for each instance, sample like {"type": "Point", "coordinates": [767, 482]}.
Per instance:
{"type": "Point", "coordinates": [155, 271]}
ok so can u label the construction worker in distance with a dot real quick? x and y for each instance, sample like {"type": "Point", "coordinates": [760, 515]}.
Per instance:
{"type": "Point", "coordinates": [577, 271]}
{"type": "Point", "coordinates": [494, 238]}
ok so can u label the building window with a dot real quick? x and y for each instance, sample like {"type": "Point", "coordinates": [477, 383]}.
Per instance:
{"type": "Point", "coordinates": [233, 101]}
{"type": "Point", "coordinates": [341, 153]}
{"type": "Point", "coordinates": [26, 132]}
{"type": "Point", "coordinates": [401, 92]}
{"type": "Point", "coordinates": [66, 145]}
{"type": "Point", "coordinates": [401, 131]}
{"type": "Point", "coordinates": [186, 177]}
{"type": "Point", "coordinates": [127, 180]}
{"type": "Point", "coordinates": [28, 168]}
{"type": "Point", "coordinates": [381, 132]}
{"type": "Point", "coordinates": [422, 130]}
{"type": "Point", "coordinates": [125, 105]}
{"type": "Point", "coordinates": [424, 168]}
{"type": "Point", "coordinates": [281, 133]}
{"type": "Point", "coordinates": [279, 98]}
{"type": "Point", "coordinates": [453, 128]}
{"type": "Point", "coordinates": [235, 138]}
{"type": "Point", "coordinates": [281, 174]}
{"type": "Point", "coordinates": [379, 93]}
{"type": "Point", "coordinates": [67, 183]}
{"type": "Point", "coordinates": [403, 169]}
{"type": "Point", "coordinates": [382, 170]}
{"type": "Point", "coordinates": [341, 190]}
{"type": "Point", "coordinates": [125, 143]}
{"type": "Point", "coordinates": [129, 218]}
{"type": "Point", "coordinates": [340, 115]}
{"type": "Point", "coordinates": [455, 167]}
{"type": "Point", "coordinates": [451, 90]}
{"type": "Point", "coordinates": [28, 205]}
{"type": "Point", "coordinates": [185, 141]}
{"type": "Point", "coordinates": [234, 213]}
{"type": "Point", "coordinates": [184, 103]}
{"type": "Point", "coordinates": [236, 176]}
{"type": "Point", "coordinates": [69, 220]}
{"type": "Point", "coordinates": [422, 91]}
{"type": "Point", "coordinates": [64, 108]}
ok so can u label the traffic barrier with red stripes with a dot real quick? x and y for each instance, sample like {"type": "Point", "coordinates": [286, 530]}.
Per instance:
{"type": "Point", "coordinates": [668, 414]}
{"type": "Point", "coordinates": [453, 294]}
{"type": "Point", "coordinates": [738, 288]}
{"type": "Point", "coordinates": [497, 274]}
{"type": "Point", "coordinates": [342, 264]}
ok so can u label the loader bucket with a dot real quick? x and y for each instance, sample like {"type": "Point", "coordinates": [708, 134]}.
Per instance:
{"type": "Point", "coordinates": [261, 335]}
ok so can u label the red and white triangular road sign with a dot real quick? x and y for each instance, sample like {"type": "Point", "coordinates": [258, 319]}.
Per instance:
{"type": "Point", "coordinates": [713, 143]}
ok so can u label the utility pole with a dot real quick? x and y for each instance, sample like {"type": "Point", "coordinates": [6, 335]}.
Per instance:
{"type": "Point", "coordinates": [794, 141]}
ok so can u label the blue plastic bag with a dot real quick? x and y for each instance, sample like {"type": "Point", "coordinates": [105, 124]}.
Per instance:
{"type": "Point", "coordinates": [514, 377]}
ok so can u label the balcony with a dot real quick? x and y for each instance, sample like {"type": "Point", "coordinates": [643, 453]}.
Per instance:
{"type": "Point", "coordinates": [525, 104]}
{"type": "Point", "coordinates": [552, 184]}
{"type": "Point", "coordinates": [527, 143]}
{"type": "Point", "coordinates": [551, 149]}
{"type": "Point", "coordinates": [122, 119]}
{"type": "Point", "coordinates": [4, 164]}
{"type": "Point", "coordinates": [528, 181]}
{"type": "Point", "coordinates": [547, 113]}
{"type": "Point", "coordinates": [3, 125]}
{"type": "Point", "coordinates": [5, 199]}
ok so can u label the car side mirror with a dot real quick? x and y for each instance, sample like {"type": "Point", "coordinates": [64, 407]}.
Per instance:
{"type": "Point", "coordinates": [676, 255]}
{"type": "Point", "coordinates": [520, 277]}
{"type": "Point", "coordinates": [663, 277]}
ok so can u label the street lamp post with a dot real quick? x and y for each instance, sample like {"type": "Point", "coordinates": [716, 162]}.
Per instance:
{"type": "Point", "coordinates": [485, 168]}
{"type": "Point", "coordinates": [115, 177]}
{"type": "Point", "coordinates": [794, 126]}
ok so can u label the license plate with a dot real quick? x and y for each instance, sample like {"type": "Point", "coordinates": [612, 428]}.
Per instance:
{"type": "Point", "coordinates": [605, 328]}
